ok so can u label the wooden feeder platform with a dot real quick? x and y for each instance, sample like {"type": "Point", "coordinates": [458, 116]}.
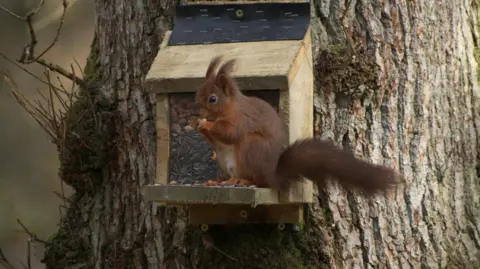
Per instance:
{"type": "Point", "coordinates": [271, 42]}
{"type": "Point", "coordinates": [226, 205]}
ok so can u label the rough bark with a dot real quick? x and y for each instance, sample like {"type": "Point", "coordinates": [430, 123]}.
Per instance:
{"type": "Point", "coordinates": [421, 119]}
{"type": "Point", "coordinates": [416, 111]}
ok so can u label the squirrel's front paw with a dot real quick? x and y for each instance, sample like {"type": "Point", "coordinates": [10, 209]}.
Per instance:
{"type": "Point", "coordinates": [203, 124]}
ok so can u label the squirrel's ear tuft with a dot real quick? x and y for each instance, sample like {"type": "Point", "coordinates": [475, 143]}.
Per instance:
{"type": "Point", "coordinates": [213, 65]}
{"type": "Point", "coordinates": [227, 67]}
{"type": "Point", "coordinates": [223, 79]}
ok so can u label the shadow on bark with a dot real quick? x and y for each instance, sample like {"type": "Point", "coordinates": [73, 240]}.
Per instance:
{"type": "Point", "coordinates": [253, 246]}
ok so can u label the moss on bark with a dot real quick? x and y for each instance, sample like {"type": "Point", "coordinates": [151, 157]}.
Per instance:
{"type": "Point", "coordinates": [252, 246]}
{"type": "Point", "coordinates": [87, 144]}
{"type": "Point", "coordinates": [346, 72]}
{"type": "Point", "coordinates": [66, 248]}
{"type": "Point", "coordinates": [84, 151]}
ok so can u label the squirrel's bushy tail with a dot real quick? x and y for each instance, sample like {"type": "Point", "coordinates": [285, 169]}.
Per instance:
{"type": "Point", "coordinates": [317, 159]}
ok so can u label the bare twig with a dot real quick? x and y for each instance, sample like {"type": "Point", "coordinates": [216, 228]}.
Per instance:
{"type": "Point", "coordinates": [79, 67]}
{"type": "Point", "coordinates": [46, 115]}
{"type": "Point", "coordinates": [28, 49]}
{"type": "Point", "coordinates": [55, 39]}
{"type": "Point", "coordinates": [23, 68]}
{"type": "Point", "coordinates": [4, 261]}
{"type": "Point", "coordinates": [32, 239]}
{"type": "Point", "coordinates": [11, 13]}
{"type": "Point", "coordinates": [52, 106]}
{"type": "Point", "coordinates": [63, 72]}
{"type": "Point", "coordinates": [27, 104]}
{"type": "Point", "coordinates": [63, 197]}
{"type": "Point", "coordinates": [207, 241]}
{"type": "Point", "coordinates": [28, 54]}
{"type": "Point", "coordinates": [32, 236]}
{"type": "Point", "coordinates": [29, 254]}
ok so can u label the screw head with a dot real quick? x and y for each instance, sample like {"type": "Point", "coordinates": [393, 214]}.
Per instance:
{"type": "Point", "coordinates": [204, 227]}
{"type": "Point", "coordinates": [239, 13]}
{"type": "Point", "coordinates": [243, 214]}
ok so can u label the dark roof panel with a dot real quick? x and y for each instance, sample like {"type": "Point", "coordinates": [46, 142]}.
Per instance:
{"type": "Point", "coordinates": [230, 23]}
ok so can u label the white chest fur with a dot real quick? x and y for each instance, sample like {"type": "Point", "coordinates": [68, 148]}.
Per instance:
{"type": "Point", "coordinates": [226, 159]}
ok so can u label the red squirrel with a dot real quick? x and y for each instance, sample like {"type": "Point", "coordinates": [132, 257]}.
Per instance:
{"type": "Point", "coordinates": [251, 145]}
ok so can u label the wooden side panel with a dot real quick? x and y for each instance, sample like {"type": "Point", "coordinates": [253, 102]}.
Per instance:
{"type": "Point", "coordinates": [163, 138]}
{"type": "Point", "coordinates": [301, 90]}
{"type": "Point", "coordinates": [241, 214]}
{"type": "Point", "coordinates": [297, 110]}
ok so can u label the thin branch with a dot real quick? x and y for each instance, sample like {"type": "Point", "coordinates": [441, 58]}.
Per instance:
{"type": "Point", "coordinates": [25, 228]}
{"type": "Point", "coordinates": [4, 261]}
{"type": "Point", "coordinates": [63, 197]}
{"type": "Point", "coordinates": [28, 54]}
{"type": "Point", "coordinates": [28, 50]}
{"type": "Point", "coordinates": [23, 68]}
{"type": "Point", "coordinates": [29, 254]}
{"type": "Point", "coordinates": [207, 241]}
{"type": "Point", "coordinates": [32, 237]}
{"type": "Point", "coordinates": [79, 67]}
{"type": "Point", "coordinates": [59, 28]}
{"type": "Point", "coordinates": [35, 10]}
{"type": "Point", "coordinates": [45, 113]}
{"type": "Point", "coordinates": [26, 104]}
{"type": "Point", "coordinates": [52, 104]}
{"type": "Point", "coordinates": [63, 72]}
{"type": "Point", "coordinates": [17, 93]}
{"type": "Point", "coordinates": [11, 13]}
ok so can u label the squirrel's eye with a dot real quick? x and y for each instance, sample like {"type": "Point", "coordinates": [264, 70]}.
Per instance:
{"type": "Point", "coordinates": [212, 98]}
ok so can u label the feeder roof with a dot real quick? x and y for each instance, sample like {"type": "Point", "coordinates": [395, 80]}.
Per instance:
{"type": "Point", "coordinates": [264, 38]}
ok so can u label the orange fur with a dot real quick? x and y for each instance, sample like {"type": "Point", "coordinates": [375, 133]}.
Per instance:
{"type": "Point", "coordinates": [240, 149]}
{"type": "Point", "coordinates": [259, 139]}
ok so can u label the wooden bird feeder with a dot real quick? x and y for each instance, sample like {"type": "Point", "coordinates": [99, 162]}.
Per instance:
{"type": "Point", "coordinates": [271, 42]}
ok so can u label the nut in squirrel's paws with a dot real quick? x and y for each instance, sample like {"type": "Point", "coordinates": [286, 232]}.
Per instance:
{"type": "Point", "coordinates": [201, 123]}
{"type": "Point", "coordinates": [204, 124]}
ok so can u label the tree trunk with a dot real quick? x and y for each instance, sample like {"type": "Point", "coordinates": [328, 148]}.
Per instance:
{"type": "Point", "coordinates": [415, 109]}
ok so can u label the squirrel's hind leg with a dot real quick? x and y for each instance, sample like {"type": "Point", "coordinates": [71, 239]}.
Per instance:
{"type": "Point", "coordinates": [256, 160]}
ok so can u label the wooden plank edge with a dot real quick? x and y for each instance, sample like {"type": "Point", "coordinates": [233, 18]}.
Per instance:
{"type": "Point", "coordinates": [162, 127]}
{"type": "Point", "coordinates": [302, 55]}
{"type": "Point", "coordinates": [181, 194]}
{"type": "Point", "coordinates": [300, 191]}
{"type": "Point", "coordinates": [241, 2]}
{"type": "Point", "coordinates": [166, 38]}
{"type": "Point", "coordinates": [241, 214]}
{"type": "Point", "coordinates": [149, 87]}
{"type": "Point", "coordinates": [192, 84]}
{"type": "Point", "coordinates": [278, 79]}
